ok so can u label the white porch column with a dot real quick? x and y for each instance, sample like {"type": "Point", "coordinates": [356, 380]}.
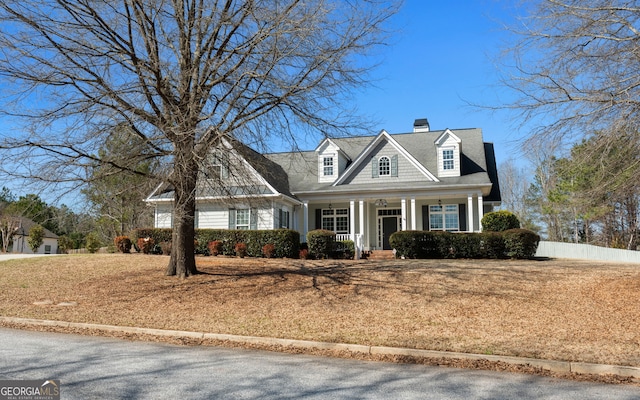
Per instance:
{"type": "Point", "coordinates": [305, 220]}
{"type": "Point", "coordinates": [413, 214]}
{"type": "Point", "coordinates": [361, 217]}
{"type": "Point", "coordinates": [403, 204]}
{"type": "Point", "coordinates": [480, 211]}
{"type": "Point", "coordinates": [470, 213]}
{"type": "Point", "coordinates": [352, 220]}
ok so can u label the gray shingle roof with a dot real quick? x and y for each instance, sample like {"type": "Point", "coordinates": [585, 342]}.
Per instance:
{"type": "Point", "coordinates": [477, 162]}
{"type": "Point", "coordinates": [25, 226]}
{"type": "Point", "coordinates": [291, 173]}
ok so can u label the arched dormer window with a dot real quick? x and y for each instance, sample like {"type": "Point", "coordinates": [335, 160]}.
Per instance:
{"type": "Point", "coordinates": [384, 166]}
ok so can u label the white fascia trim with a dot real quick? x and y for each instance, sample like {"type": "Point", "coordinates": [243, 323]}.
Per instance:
{"type": "Point", "coordinates": [339, 150]}
{"type": "Point", "coordinates": [462, 190]}
{"type": "Point", "coordinates": [159, 201]}
{"type": "Point", "coordinates": [397, 146]}
{"type": "Point", "coordinates": [154, 192]}
{"type": "Point", "coordinates": [247, 196]}
{"type": "Point", "coordinates": [446, 132]}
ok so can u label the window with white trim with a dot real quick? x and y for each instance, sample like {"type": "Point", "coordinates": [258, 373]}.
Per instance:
{"type": "Point", "coordinates": [384, 166]}
{"type": "Point", "coordinates": [327, 164]}
{"type": "Point", "coordinates": [447, 159]}
{"type": "Point", "coordinates": [216, 166]}
{"type": "Point", "coordinates": [444, 217]}
{"type": "Point", "coordinates": [336, 220]}
{"type": "Point", "coordinates": [243, 219]}
{"type": "Point", "coordinates": [284, 219]}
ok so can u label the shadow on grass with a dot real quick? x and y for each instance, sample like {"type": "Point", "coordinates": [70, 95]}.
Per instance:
{"type": "Point", "coordinates": [435, 278]}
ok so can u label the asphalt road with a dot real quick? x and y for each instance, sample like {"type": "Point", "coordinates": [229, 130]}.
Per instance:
{"type": "Point", "coordinates": [104, 368]}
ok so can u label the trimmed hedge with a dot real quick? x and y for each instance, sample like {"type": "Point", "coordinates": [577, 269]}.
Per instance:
{"type": "Point", "coordinates": [521, 243]}
{"type": "Point", "coordinates": [514, 243]}
{"type": "Point", "coordinates": [321, 243]}
{"type": "Point", "coordinates": [286, 241]}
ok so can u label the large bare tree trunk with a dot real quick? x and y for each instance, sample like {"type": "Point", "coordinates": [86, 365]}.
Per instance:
{"type": "Point", "coordinates": [183, 262]}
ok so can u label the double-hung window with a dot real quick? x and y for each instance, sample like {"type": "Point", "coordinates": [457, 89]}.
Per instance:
{"type": "Point", "coordinates": [284, 219]}
{"type": "Point", "coordinates": [447, 159]}
{"type": "Point", "coordinates": [243, 219]}
{"type": "Point", "coordinates": [216, 166]}
{"type": "Point", "coordinates": [444, 217]}
{"type": "Point", "coordinates": [336, 220]}
{"type": "Point", "coordinates": [327, 164]}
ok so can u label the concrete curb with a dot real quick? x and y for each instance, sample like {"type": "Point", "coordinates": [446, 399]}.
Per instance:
{"type": "Point", "coordinates": [549, 365]}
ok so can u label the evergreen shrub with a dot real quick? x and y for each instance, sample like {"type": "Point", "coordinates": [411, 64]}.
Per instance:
{"type": "Point", "coordinates": [321, 243]}
{"type": "Point", "coordinates": [521, 243]}
{"type": "Point", "coordinates": [499, 221]}
{"type": "Point", "coordinates": [286, 241]}
{"type": "Point", "coordinates": [514, 243]}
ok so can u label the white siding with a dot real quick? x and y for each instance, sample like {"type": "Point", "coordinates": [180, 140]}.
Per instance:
{"type": "Point", "coordinates": [21, 245]}
{"type": "Point", "coordinates": [407, 172]}
{"type": "Point", "coordinates": [265, 219]}
{"type": "Point", "coordinates": [449, 144]}
{"type": "Point", "coordinates": [328, 151]}
{"type": "Point", "coordinates": [163, 217]}
{"type": "Point", "coordinates": [212, 216]}
{"type": "Point", "coordinates": [209, 216]}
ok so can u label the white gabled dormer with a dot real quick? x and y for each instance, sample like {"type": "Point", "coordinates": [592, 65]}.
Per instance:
{"type": "Point", "coordinates": [448, 147]}
{"type": "Point", "coordinates": [331, 161]}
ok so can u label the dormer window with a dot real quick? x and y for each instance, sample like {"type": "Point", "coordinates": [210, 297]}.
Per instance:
{"type": "Point", "coordinates": [327, 164]}
{"type": "Point", "coordinates": [447, 159]}
{"type": "Point", "coordinates": [331, 161]}
{"type": "Point", "coordinates": [216, 166]}
{"type": "Point", "coordinates": [448, 146]}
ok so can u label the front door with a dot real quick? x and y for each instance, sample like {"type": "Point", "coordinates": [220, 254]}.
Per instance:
{"type": "Point", "coordinates": [389, 226]}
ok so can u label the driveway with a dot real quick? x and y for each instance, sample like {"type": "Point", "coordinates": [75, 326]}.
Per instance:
{"type": "Point", "coordinates": [105, 368]}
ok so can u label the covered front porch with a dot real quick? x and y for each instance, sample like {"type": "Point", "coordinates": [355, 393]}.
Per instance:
{"type": "Point", "coordinates": [370, 221]}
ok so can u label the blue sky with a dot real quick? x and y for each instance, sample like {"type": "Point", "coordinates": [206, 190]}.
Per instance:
{"type": "Point", "coordinates": [441, 58]}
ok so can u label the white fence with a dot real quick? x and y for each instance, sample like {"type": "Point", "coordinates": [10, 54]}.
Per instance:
{"type": "Point", "coordinates": [585, 251]}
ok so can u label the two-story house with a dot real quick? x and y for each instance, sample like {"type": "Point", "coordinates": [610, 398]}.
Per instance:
{"type": "Point", "coordinates": [362, 188]}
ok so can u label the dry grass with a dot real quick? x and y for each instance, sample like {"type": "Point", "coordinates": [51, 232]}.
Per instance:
{"type": "Point", "coordinates": [559, 309]}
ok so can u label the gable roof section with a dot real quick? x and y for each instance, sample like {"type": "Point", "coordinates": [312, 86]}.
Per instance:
{"type": "Point", "coordinates": [334, 144]}
{"type": "Point", "coordinates": [270, 177]}
{"type": "Point", "coordinates": [302, 166]}
{"type": "Point", "coordinates": [271, 173]}
{"type": "Point", "coordinates": [25, 226]}
{"type": "Point", "coordinates": [364, 157]}
{"type": "Point", "coordinates": [447, 133]}
{"type": "Point", "coordinates": [422, 145]}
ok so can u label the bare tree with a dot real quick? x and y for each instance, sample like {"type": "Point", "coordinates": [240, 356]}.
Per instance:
{"type": "Point", "coordinates": [514, 185]}
{"type": "Point", "coordinates": [180, 74]}
{"type": "Point", "coordinates": [9, 224]}
{"type": "Point", "coordinates": [575, 67]}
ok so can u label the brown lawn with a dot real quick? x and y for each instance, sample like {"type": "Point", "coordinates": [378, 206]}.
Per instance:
{"type": "Point", "coordinates": [557, 309]}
